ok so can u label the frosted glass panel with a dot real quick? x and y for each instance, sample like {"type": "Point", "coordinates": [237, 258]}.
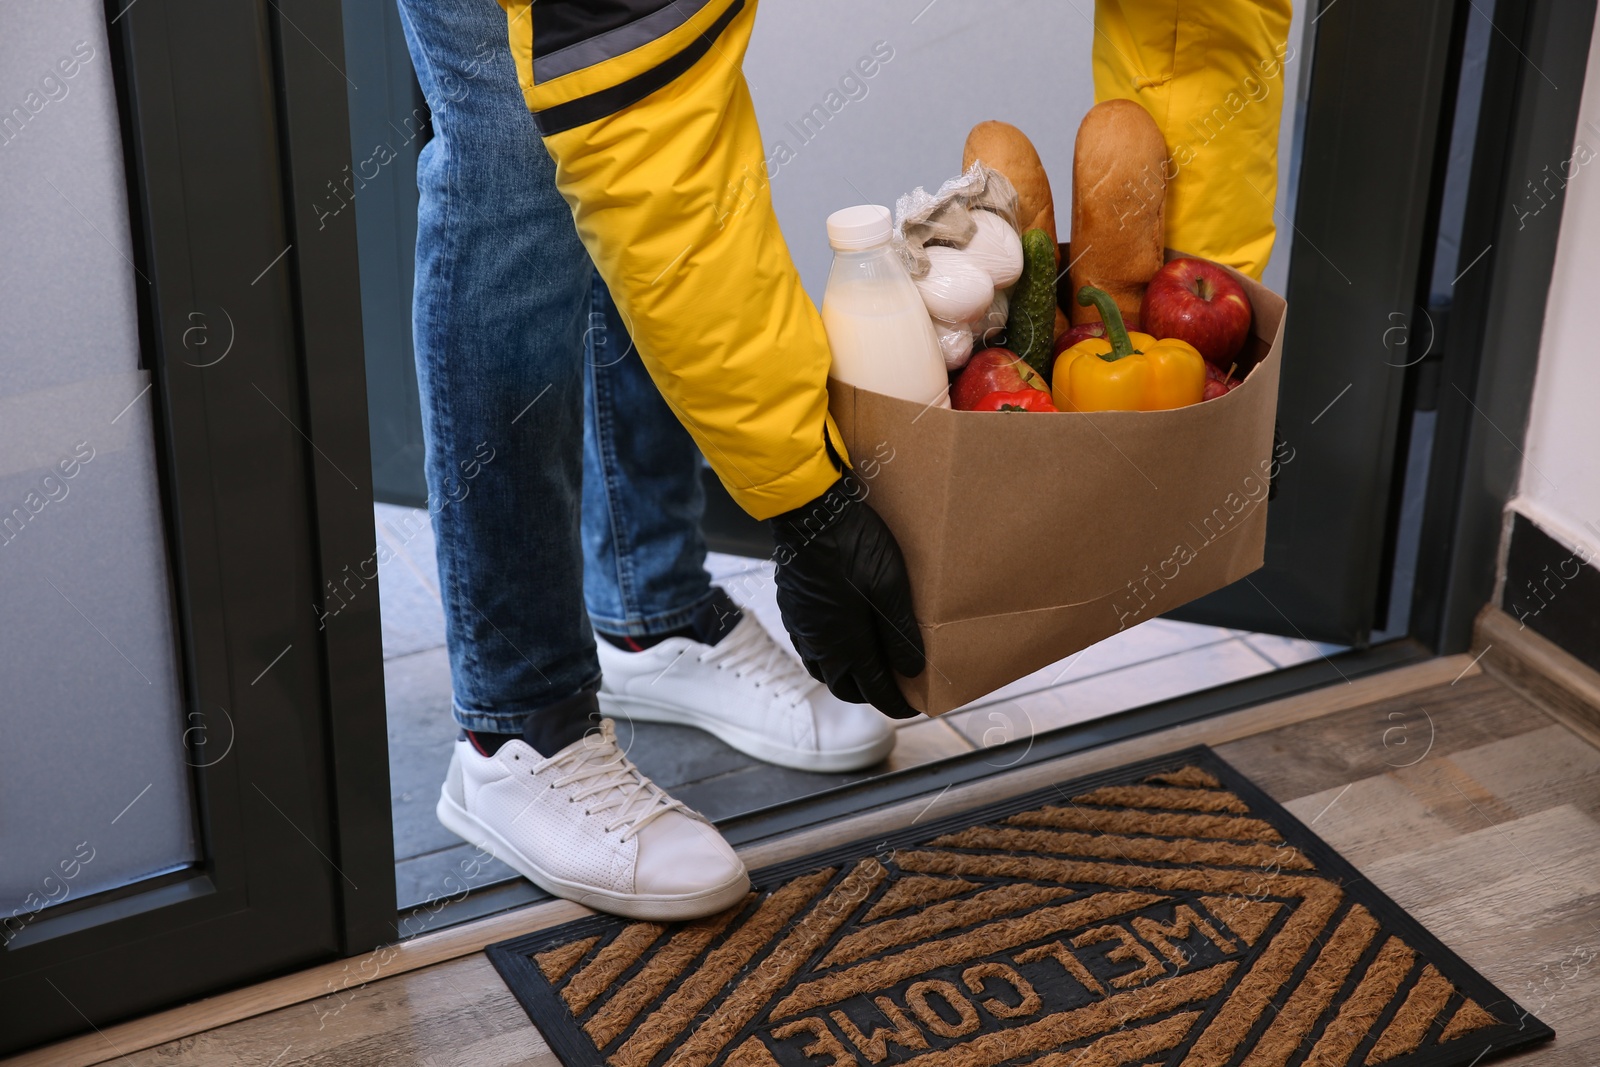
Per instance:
{"type": "Point", "coordinates": [94, 790]}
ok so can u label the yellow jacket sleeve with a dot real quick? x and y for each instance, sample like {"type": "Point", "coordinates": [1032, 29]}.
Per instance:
{"type": "Point", "coordinates": [645, 111]}
{"type": "Point", "coordinates": [1213, 77]}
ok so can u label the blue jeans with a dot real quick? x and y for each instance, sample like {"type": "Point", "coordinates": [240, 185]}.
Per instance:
{"type": "Point", "coordinates": [563, 489]}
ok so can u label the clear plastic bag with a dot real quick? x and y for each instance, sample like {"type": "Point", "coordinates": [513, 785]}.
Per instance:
{"type": "Point", "coordinates": [988, 330]}
{"type": "Point", "coordinates": [962, 250]}
{"type": "Point", "coordinates": [995, 248]}
{"type": "Point", "coordinates": [955, 342]}
{"type": "Point", "coordinates": [956, 287]}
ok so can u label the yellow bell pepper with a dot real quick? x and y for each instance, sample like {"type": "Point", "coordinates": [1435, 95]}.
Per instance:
{"type": "Point", "coordinates": [1126, 371]}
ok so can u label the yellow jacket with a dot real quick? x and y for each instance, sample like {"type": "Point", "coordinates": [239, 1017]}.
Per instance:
{"type": "Point", "coordinates": [645, 111]}
{"type": "Point", "coordinates": [1214, 80]}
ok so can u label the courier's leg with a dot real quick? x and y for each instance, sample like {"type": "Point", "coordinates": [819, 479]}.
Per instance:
{"type": "Point", "coordinates": [502, 302]}
{"type": "Point", "coordinates": [502, 291]}
{"type": "Point", "coordinates": [644, 553]}
{"type": "Point", "coordinates": [673, 647]}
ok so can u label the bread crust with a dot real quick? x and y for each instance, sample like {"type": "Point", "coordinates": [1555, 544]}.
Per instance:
{"type": "Point", "coordinates": [1007, 149]}
{"type": "Point", "coordinates": [1119, 192]}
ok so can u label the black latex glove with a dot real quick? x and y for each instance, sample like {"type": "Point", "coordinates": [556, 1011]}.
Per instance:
{"type": "Point", "coordinates": [846, 600]}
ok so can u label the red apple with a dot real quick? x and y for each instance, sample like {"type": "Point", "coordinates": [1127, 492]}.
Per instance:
{"type": "Point", "coordinates": [1199, 302]}
{"type": "Point", "coordinates": [1085, 330]}
{"type": "Point", "coordinates": [994, 370]}
{"type": "Point", "coordinates": [1220, 382]}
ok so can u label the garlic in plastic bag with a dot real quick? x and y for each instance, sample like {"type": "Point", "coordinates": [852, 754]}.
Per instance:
{"type": "Point", "coordinates": [963, 252]}
{"type": "Point", "coordinates": [996, 248]}
{"type": "Point", "coordinates": [988, 329]}
{"type": "Point", "coordinates": [955, 342]}
{"type": "Point", "coordinates": [956, 288]}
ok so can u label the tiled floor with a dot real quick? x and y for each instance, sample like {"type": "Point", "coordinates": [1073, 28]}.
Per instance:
{"type": "Point", "coordinates": [1154, 661]}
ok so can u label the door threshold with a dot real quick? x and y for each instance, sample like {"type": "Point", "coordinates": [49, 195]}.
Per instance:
{"type": "Point", "coordinates": [1286, 682]}
{"type": "Point", "coordinates": [836, 802]}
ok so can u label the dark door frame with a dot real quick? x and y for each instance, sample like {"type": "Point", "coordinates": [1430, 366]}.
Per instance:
{"type": "Point", "coordinates": [1533, 84]}
{"type": "Point", "coordinates": [234, 126]}
{"type": "Point", "coordinates": [1485, 340]}
{"type": "Point", "coordinates": [1362, 234]}
{"type": "Point", "coordinates": [389, 119]}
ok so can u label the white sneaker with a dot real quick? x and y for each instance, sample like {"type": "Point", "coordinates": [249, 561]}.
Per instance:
{"type": "Point", "coordinates": [750, 693]}
{"type": "Point", "coordinates": [585, 824]}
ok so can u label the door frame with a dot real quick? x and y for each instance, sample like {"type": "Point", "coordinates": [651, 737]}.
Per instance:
{"type": "Point", "coordinates": [314, 128]}
{"type": "Point", "coordinates": [1361, 236]}
{"type": "Point", "coordinates": [234, 121]}
{"type": "Point", "coordinates": [389, 118]}
{"type": "Point", "coordinates": [1479, 377]}
{"type": "Point", "coordinates": [1532, 90]}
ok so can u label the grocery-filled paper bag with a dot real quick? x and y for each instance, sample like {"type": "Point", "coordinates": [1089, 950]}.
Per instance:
{"type": "Point", "coordinates": [1032, 536]}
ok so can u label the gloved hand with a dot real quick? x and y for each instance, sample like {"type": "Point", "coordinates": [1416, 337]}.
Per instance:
{"type": "Point", "coordinates": [846, 599]}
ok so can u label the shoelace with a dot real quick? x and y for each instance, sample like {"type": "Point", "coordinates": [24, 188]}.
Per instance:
{"type": "Point", "coordinates": [750, 653]}
{"type": "Point", "coordinates": [618, 785]}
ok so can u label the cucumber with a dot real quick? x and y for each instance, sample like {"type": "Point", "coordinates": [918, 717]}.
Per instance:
{"type": "Point", "coordinates": [1030, 329]}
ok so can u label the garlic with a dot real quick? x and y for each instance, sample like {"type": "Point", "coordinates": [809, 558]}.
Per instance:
{"type": "Point", "coordinates": [956, 288]}
{"type": "Point", "coordinates": [989, 328]}
{"type": "Point", "coordinates": [955, 343]}
{"type": "Point", "coordinates": [996, 248]}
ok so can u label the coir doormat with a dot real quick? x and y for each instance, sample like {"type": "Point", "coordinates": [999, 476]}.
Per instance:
{"type": "Point", "coordinates": [1167, 912]}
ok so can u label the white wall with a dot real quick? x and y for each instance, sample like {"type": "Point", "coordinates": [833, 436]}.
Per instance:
{"type": "Point", "coordinates": [956, 63]}
{"type": "Point", "coordinates": [1560, 485]}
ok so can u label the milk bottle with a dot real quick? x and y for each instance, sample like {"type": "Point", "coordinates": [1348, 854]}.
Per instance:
{"type": "Point", "coordinates": [878, 326]}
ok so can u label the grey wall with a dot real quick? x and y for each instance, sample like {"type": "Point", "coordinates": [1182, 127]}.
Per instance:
{"type": "Point", "coordinates": [93, 787]}
{"type": "Point", "coordinates": [956, 63]}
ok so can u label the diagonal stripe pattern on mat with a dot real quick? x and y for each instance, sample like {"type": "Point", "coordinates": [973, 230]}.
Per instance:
{"type": "Point", "coordinates": [1167, 913]}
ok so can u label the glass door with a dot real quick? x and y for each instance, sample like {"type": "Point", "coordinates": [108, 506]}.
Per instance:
{"type": "Point", "coordinates": [193, 742]}
{"type": "Point", "coordinates": [83, 549]}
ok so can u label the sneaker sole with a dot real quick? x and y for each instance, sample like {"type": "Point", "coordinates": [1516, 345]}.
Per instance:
{"type": "Point", "coordinates": [748, 741]}
{"type": "Point", "coordinates": [464, 825]}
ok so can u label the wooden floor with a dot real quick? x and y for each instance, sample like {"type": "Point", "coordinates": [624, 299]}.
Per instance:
{"type": "Point", "coordinates": [1464, 802]}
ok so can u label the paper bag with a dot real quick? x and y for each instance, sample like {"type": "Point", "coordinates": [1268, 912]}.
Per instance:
{"type": "Point", "coordinates": [1032, 536]}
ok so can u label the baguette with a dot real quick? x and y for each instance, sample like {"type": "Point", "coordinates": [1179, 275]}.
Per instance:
{"type": "Point", "coordinates": [1119, 191]}
{"type": "Point", "coordinates": [1005, 148]}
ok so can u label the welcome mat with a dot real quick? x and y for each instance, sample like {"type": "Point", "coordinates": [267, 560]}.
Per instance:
{"type": "Point", "coordinates": [1167, 912]}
